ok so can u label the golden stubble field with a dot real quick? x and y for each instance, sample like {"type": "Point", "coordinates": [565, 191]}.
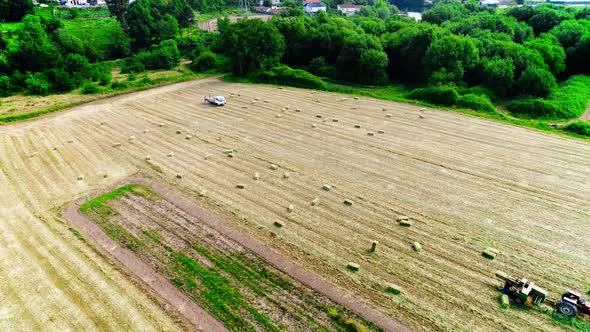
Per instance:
{"type": "Point", "coordinates": [466, 183]}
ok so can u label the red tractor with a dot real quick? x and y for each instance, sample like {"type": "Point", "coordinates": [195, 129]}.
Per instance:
{"type": "Point", "coordinates": [571, 304]}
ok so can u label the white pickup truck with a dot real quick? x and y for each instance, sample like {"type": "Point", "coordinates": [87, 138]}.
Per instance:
{"type": "Point", "coordinates": [219, 100]}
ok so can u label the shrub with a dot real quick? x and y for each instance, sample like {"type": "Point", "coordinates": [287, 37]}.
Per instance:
{"type": "Point", "coordinates": [441, 95]}
{"type": "Point", "coordinates": [536, 82]}
{"type": "Point", "coordinates": [131, 77]}
{"type": "Point", "coordinates": [132, 65]}
{"type": "Point", "coordinates": [579, 127]}
{"type": "Point", "coordinates": [476, 102]}
{"type": "Point", "coordinates": [89, 87]}
{"type": "Point", "coordinates": [119, 85]}
{"type": "Point", "coordinates": [37, 84]}
{"type": "Point", "coordinates": [293, 77]}
{"type": "Point", "coordinates": [206, 61]}
{"type": "Point", "coordinates": [567, 101]}
{"type": "Point", "coordinates": [60, 80]}
{"type": "Point", "coordinates": [5, 86]}
{"type": "Point", "coordinates": [163, 56]}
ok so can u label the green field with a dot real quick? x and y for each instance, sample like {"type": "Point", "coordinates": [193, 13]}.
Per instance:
{"type": "Point", "coordinates": [96, 32]}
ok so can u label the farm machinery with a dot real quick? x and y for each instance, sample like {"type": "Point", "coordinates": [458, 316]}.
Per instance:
{"type": "Point", "coordinates": [218, 101]}
{"type": "Point", "coordinates": [525, 292]}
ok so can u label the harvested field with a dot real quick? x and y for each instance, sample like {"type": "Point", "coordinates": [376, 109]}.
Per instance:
{"type": "Point", "coordinates": [221, 274]}
{"type": "Point", "coordinates": [466, 184]}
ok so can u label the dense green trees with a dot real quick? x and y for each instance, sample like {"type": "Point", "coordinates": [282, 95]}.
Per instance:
{"type": "Point", "coordinates": [15, 10]}
{"type": "Point", "coordinates": [251, 44]}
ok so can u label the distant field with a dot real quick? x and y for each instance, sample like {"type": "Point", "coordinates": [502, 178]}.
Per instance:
{"type": "Point", "coordinates": [96, 31]}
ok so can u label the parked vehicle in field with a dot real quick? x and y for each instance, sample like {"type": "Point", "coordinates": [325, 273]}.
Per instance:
{"type": "Point", "coordinates": [219, 100]}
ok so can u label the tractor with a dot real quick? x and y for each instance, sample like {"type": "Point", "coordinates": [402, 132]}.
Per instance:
{"type": "Point", "coordinates": [523, 291]}
{"type": "Point", "coordinates": [571, 304]}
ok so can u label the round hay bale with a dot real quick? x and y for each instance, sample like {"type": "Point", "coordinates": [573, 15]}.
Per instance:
{"type": "Point", "coordinates": [240, 186]}
{"type": "Point", "coordinates": [178, 132]}
{"type": "Point", "coordinates": [170, 154]}
{"type": "Point", "coordinates": [353, 266]}
{"type": "Point", "coordinates": [148, 157]}
{"type": "Point", "coordinates": [80, 177]}
{"type": "Point", "coordinates": [315, 201]}
{"type": "Point", "coordinates": [274, 167]}
{"type": "Point", "coordinates": [132, 138]}
{"type": "Point", "coordinates": [179, 176]}
{"type": "Point", "coordinates": [286, 175]}
{"type": "Point", "coordinates": [417, 247]}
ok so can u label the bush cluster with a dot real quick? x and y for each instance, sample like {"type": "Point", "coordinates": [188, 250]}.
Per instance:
{"type": "Point", "coordinates": [476, 102]}
{"type": "Point", "coordinates": [163, 56]}
{"type": "Point", "coordinates": [439, 95]}
{"type": "Point", "coordinates": [580, 128]}
{"type": "Point", "coordinates": [286, 75]}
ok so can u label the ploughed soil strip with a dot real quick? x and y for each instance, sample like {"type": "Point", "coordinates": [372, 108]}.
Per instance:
{"type": "Point", "coordinates": [184, 253]}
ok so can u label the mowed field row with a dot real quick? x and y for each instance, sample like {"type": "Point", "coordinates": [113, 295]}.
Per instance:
{"type": "Point", "coordinates": [466, 183]}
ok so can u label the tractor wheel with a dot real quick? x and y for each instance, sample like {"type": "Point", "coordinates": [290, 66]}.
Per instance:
{"type": "Point", "coordinates": [567, 309]}
{"type": "Point", "coordinates": [518, 300]}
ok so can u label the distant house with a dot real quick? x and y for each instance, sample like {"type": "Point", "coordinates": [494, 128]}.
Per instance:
{"type": "Point", "coordinates": [348, 9]}
{"type": "Point", "coordinates": [269, 10]}
{"type": "Point", "coordinates": [313, 6]}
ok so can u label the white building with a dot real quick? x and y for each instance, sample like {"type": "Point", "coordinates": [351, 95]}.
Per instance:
{"type": "Point", "coordinates": [348, 9]}
{"type": "Point", "coordinates": [311, 7]}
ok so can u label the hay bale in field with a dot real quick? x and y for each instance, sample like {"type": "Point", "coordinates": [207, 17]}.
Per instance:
{"type": "Point", "coordinates": [160, 125]}
{"type": "Point", "coordinates": [278, 224]}
{"type": "Point", "coordinates": [274, 167]}
{"type": "Point", "coordinates": [298, 110]}
{"type": "Point", "coordinates": [490, 253]}
{"type": "Point", "coordinates": [374, 245]}
{"type": "Point", "coordinates": [170, 154]}
{"type": "Point", "coordinates": [501, 275]}
{"type": "Point", "coordinates": [70, 141]}
{"type": "Point", "coordinates": [131, 138]}
{"type": "Point", "coordinates": [353, 266]}
{"type": "Point", "coordinates": [421, 116]}
{"type": "Point", "coordinates": [405, 223]}
{"type": "Point", "coordinates": [116, 145]}
{"type": "Point", "coordinates": [504, 301]}
{"type": "Point", "coordinates": [315, 201]}
{"type": "Point", "coordinates": [381, 132]}
{"type": "Point", "coordinates": [145, 131]}
{"type": "Point", "coordinates": [319, 116]}
{"type": "Point", "coordinates": [417, 246]}
{"type": "Point", "coordinates": [388, 115]}
{"type": "Point", "coordinates": [207, 157]}
{"type": "Point", "coordinates": [348, 202]}
{"type": "Point", "coordinates": [334, 120]}
{"type": "Point", "coordinates": [33, 154]}
{"type": "Point", "coordinates": [327, 187]}
{"type": "Point", "coordinates": [228, 151]}
{"type": "Point", "coordinates": [240, 186]}
{"type": "Point", "coordinates": [102, 123]}
{"type": "Point", "coordinates": [402, 217]}
{"type": "Point", "coordinates": [384, 109]}
{"type": "Point", "coordinates": [203, 193]}
{"type": "Point", "coordinates": [256, 176]}
{"type": "Point", "coordinates": [178, 132]}
{"type": "Point", "coordinates": [179, 176]}
{"type": "Point", "coordinates": [370, 133]}
{"type": "Point", "coordinates": [188, 137]}
{"type": "Point", "coordinates": [356, 98]}
{"type": "Point", "coordinates": [266, 101]}
{"type": "Point", "coordinates": [357, 126]}
{"type": "Point", "coordinates": [245, 107]}
{"type": "Point", "coordinates": [257, 98]}
{"type": "Point", "coordinates": [290, 208]}
{"type": "Point", "coordinates": [230, 155]}
{"type": "Point", "coordinates": [354, 108]}
{"type": "Point", "coordinates": [80, 177]}
{"type": "Point", "coordinates": [277, 115]}
{"type": "Point", "coordinates": [286, 175]}
{"type": "Point", "coordinates": [55, 148]}
{"type": "Point", "coordinates": [393, 289]}
{"type": "Point", "coordinates": [105, 175]}
{"type": "Point", "coordinates": [314, 125]}
{"type": "Point", "coordinates": [422, 109]}
{"type": "Point", "coordinates": [148, 157]}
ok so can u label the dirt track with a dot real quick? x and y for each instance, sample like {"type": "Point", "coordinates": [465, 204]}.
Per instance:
{"type": "Point", "coordinates": [467, 184]}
